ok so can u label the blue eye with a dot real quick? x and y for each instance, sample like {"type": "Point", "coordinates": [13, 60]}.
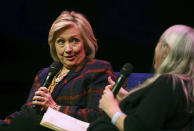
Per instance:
{"type": "Point", "coordinates": [75, 40]}
{"type": "Point", "coordinates": [60, 41]}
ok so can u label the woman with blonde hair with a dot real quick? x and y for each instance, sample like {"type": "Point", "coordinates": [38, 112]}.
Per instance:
{"type": "Point", "coordinates": [164, 102]}
{"type": "Point", "coordinates": [77, 86]}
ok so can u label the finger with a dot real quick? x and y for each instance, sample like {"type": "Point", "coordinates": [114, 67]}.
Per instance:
{"type": "Point", "coordinates": [109, 86]}
{"type": "Point", "coordinates": [38, 103]}
{"type": "Point", "coordinates": [105, 90]}
{"type": "Point", "coordinates": [111, 82]}
{"type": "Point", "coordinates": [100, 104]}
{"type": "Point", "coordinates": [39, 93]}
{"type": "Point", "coordinates": [38, 98]}
{"type": "Point", "coordinates": [44, 89]}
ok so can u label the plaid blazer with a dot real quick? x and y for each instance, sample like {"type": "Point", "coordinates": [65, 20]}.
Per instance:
{"type": "Point", "coordinates": [78, 93]}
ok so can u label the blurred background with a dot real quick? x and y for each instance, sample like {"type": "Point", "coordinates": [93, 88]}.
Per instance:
{"type": "Point", "coordinates": [127, 31]}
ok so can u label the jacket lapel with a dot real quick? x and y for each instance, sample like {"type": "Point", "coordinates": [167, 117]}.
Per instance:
{"type": "Point", "coordinates": [71, 75]}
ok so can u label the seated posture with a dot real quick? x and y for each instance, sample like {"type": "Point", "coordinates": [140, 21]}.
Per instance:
{"type": "Point", "coordinates": [78, 85]}
{"type": "Point", "coordinates": [165, 102]}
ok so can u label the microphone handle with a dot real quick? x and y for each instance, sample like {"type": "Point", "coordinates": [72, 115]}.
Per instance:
{"type": "Point", "coordinates": [45, 84]}
{"type": "Point", "coordinates": [118, 85]}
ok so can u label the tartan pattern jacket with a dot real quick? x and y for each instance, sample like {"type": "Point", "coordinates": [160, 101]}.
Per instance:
{"type": "Point", "coordinates": [78, 93]}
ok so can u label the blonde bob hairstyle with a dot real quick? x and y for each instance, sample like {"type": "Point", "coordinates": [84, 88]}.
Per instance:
{"type": "Point", "coordinates": [72, 18]}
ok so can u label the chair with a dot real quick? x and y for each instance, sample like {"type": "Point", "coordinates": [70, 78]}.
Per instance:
{"type": "Point", "coordinates": [135, 79]}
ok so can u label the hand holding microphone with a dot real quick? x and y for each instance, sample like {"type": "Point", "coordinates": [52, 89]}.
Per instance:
{"type": "Point", "coordinates": [42, 96]}
{"type": "Point", "coordinates": [124, 73]}
{"type": "Point", "coordinates": [108, 103]}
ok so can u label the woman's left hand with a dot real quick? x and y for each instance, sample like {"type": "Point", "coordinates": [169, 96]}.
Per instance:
{"type": "Point", "coordinates": [43, 98]}
{"type": "Point", "coordinates": [108, 103]}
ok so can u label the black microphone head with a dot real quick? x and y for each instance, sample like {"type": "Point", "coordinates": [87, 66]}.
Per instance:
{"type": "Point", "coordinates": [124, 73]}
{"type": "Point", "coordinates": [52, 71]}
{"type": "Point", "coordinates": [55, 67]}
{"type": "Point", "coordinates": [126, 69]}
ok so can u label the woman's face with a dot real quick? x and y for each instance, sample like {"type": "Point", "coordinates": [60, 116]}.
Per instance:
{"type": "Point", "coordinates": [70, 47]}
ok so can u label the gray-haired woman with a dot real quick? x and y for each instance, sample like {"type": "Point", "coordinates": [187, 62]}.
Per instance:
{"type": "Point", "coordinates": [164, 102]}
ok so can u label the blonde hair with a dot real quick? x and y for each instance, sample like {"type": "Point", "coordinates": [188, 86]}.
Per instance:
{"type": "Point", "coordinates": [179, 61]}
{"type": "Point", "coordinates": [67, 19]}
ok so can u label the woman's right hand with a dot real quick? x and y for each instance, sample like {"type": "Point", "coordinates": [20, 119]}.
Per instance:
{"type": "Point", "coordinates": [43, 98]}
{"type": "Point", "coordinates": [122, 92]}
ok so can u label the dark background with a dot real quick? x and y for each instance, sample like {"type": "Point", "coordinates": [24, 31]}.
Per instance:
{"type": "Point", "coordinates": [127, 31]}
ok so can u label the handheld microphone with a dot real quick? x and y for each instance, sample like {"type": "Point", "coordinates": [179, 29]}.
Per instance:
{"type": "Point", "coordinates": [52, 71]}
{"type": "Point", "coordinates": [124, 73]}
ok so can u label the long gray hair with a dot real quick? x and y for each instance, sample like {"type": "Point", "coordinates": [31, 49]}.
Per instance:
{"type": "Point", "coordinates": [179, 60]}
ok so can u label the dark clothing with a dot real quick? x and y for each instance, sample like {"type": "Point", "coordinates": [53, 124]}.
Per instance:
{"type": "Point", "coordinates": [78, 93]}
{"type": "Point", "coordinates": [161, 106]}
